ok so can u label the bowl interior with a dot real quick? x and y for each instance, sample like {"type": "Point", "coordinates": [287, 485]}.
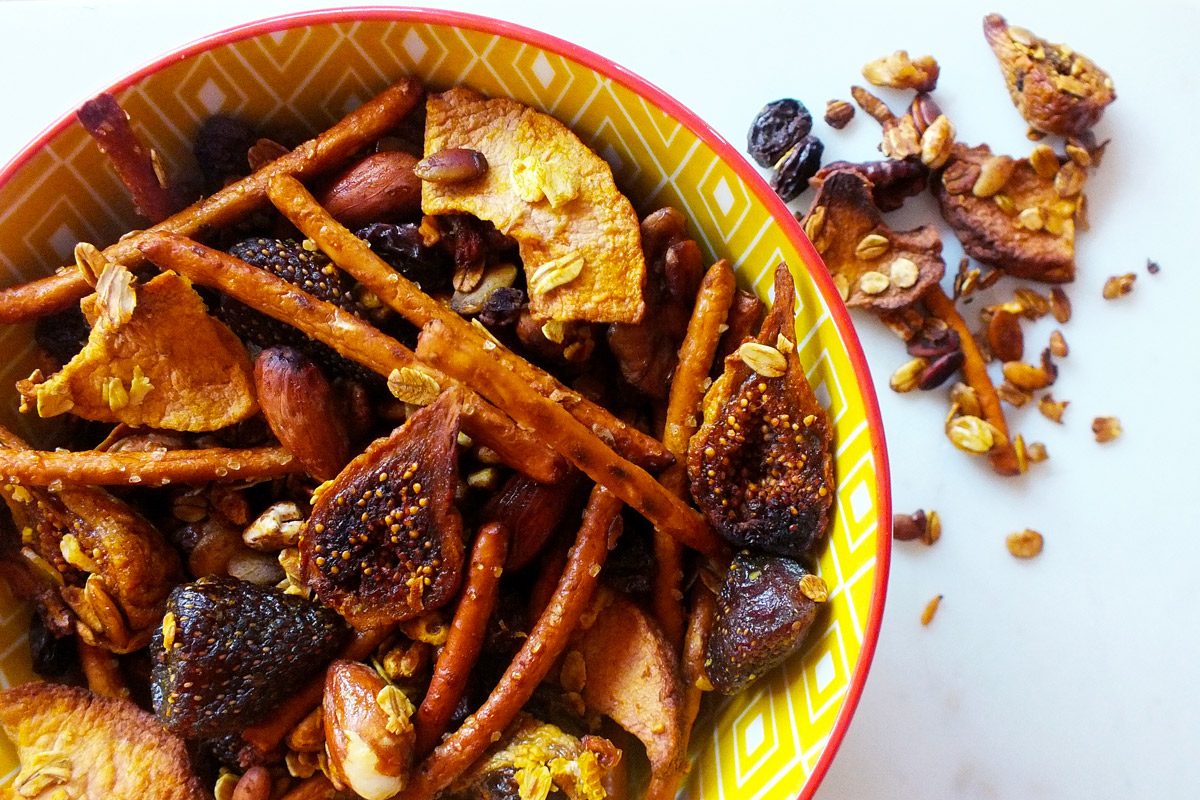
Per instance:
{"type": "Point", "coordinates": [298, 75]}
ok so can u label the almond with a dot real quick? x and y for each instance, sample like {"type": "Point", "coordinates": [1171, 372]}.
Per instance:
{"type": "Point", "coordinates": [379, 188]}
{"type": "Point", "coordinates": [302, 411]}
{"type": "Point", "coordinates": [368, 734]}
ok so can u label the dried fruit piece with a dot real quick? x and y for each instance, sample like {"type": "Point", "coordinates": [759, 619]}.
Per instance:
{"type": "Point", "coordinates": [940, 370]}
{"type": "Point", "coordinates": [796, 167]}
{"type": "Point", "coordinates": [930, 609]}
{"type": "Point", "coordinates": [760, 467]}
{"type": "Point", "coordinates": [229, 651]}
{"type": "Point", "coordinates": [992, 231]}
{"type": "Point", "coordinates": [762, 617]}
{"type": "Point", "coordinates": [72, 743]}
{"type": "Point", "coordinates": [777, 128]}
{"type": "Point", "coordinates": [1024, 544]}
{"type": "Point", "coordinates": [898, 71]}
{"type": "Point", "coordinates": [1152, 267]}
{"type": "Point", "coordinates": [892, 180]}
{"type": "Point", "coordinates": [578, 210]}
{"type": "Point", "coordinates": [1056, 89]}
{"type": "Point", "coordinates": [848, 216]}
{"type": "Point", "coordinates": [384, 541]}
{"type": "Point", "coordinates": [838, 114]}
{"type": "Point", "coordinates": [1119, 286]}
{"type": "Point", "coordinates": [114, 378]}
{"type": "Point", "coordinates": [1105, 429]}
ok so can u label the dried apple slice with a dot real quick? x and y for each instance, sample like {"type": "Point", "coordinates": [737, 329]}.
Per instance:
{"type": "Point", "coordinates": [578, 234]}
{"type": "Point", "coordinates": [73, 743]}
{"type": "Point", "coordinates": [873, 266]}
{"type": "Point", "coordinates": [760, 467]}
{"type": "Point", "coordinates": [384, 542]}
{"type": "Point", "coordinates": [1010, 215]}
{"type": "Point", "coordinates": [154, 357]}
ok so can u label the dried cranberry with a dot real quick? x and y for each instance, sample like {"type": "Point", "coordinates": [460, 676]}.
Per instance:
{"type": "Point", "coordinates": [934, 341]}
{"type": "Point", "coordinates": [940, 370]}
{"type": "Point", "coordinates": [796, 167]}
{"type": "Point", "coordinates": [776, 129]}
{"type": "Point", "coordinates": [404, 249]}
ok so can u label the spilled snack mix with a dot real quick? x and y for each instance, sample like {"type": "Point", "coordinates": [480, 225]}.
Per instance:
{"type": "Point", "coordinates": [370, 472]}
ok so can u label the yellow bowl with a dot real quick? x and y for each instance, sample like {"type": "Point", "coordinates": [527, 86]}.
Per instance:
{"type": "Point", "coordinates": [299, 74]}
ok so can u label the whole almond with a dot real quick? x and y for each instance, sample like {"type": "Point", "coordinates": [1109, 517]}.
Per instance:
{"type": "Point", "coordinates": [379, 188]}
{"type": "Point", "coordinates": [1005, 337]}
{"type": "Point", "coordinates": [453, 165]}
{"type": "Point", "coordinates": [302, 410]}
{"type": "Point", "coordinates": [369, 737]}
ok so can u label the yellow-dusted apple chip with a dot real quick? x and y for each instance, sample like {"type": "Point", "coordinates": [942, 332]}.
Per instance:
{"type": "Point", "coordinates": [154, 357]}
{"type": "Point", "coordinates": [578, 234]}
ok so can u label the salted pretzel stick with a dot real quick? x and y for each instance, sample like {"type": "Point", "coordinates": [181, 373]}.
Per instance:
{"type": "Point", "coordinates": [700, 621]}
{"type": "Point", "coordinates": [148, 468]}
{"type": "Point", "coordinates": [683, 419]}
{"type": "Point", "coordinates": [348, 335]}
{"type": "Point", "coordinates": [406, 298]}
{"type": "Point", "coordinates": [465, 640]}
{"type": "Point", "coordinates": [441, 348]}
{"type": "Point", "coordinates": [328, 150]}
{"type": "Point", "coordinates": [133, 161]}
{"type": "Point", "coordinates": [531, 665]}
{"type": "Point", "coordinates": [102, 671]}
{"type": "Point", "coordinates": [1003, 455]}
{"type": "Point", "coordinates": [266, 735]}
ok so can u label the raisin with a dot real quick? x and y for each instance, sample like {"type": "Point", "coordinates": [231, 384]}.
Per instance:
{"type": "Point", "coordinates": [403, 248]}
{"type": "Point", "coordinates": [777, 129]}
{"type": "Point", "coordinates": [502, 308]}
{"type": "Point", "coordinates": [790, 178]}
{"type": "Point", "coordinates": [53, 656]}
{"type": "Point", "coordinates": [62, 335]}
{"type": "Point", "coordinates": [220, 148]}
{"type": "Point", "coordinates": [762, 617]}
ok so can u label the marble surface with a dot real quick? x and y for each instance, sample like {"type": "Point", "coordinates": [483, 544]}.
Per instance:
{"type": "Point", "coordinates": [1069, 676]}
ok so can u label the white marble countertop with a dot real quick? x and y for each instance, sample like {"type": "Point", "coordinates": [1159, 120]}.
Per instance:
{"type": "Point", "coordinates": [1069, 676]}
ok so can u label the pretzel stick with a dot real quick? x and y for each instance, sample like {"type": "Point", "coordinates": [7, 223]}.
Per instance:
{"type": "Point", "coordinates": [1003, 455]}
{"type": "Point", "coordinates": [102, 671]}
{"type": "Point", "coordinates": [700, 620]}
{"type": "Point", "coordinates": [147, 468]}
{"type": "Point", "coordinates": [531, 665]}
{"type": "Point", "coordinates": [406, 298]}
{"type": "Point", "coordinates": [683, 419]}
{"type": "Point", "coordinates": [266, 735]}
{"type": "Point", "coordinates": [349, 336]}
{"type": "Point", "coordinates": [133, 161]}
{"type": "Point", "coordinates": [441, 348]}
{"type": "Point", "coordinates": [328, 150]}
{"type": "Point", "coordinates": [457, 657]}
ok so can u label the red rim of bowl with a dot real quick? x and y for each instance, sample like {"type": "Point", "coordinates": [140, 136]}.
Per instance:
{"type": "Point", "coordinates": [730, 155]}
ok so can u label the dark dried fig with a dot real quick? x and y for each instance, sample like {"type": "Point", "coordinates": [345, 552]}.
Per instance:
{"type": "Point", "coordinates": [384, 542]}
{"type": "Point", "coordinates": [760, 467]}
{"type": "Point", "coordinates": [762, 617]}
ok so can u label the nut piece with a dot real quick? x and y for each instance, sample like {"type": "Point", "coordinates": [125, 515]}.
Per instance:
{"type": "Point", "coordinates": [1052, 409]}
{"type": "Point", "coordinates": [1119, 285]}
{"type": "Point", "coordinates": [1060, 304]}
{"type": "Point", "coordinates": [937, 141]}
{"type": "Point", "coordinates": [276, 528]}
{"type": "Point", "coordinates": [1026, 376]}
{"type": "Point", "coordinates": [369, 743]}
{"type": "Point", "coordinates": [930, 609]}
{"type": "Point", "coordinates": [453, 165]}
{"type": "Point", "coordinates": [1025, 544]}
{"type": "Point", "coordinates": [1036, 452]}
{"type": "Point", "coordinates": [1106, 429]}
{"type": "Point", "coordinates": [917, 525]}
{"type": "Point", "coordinates": [1058, 345]}
{"type": "Point", "coordinates": [1044, 161]}
{"type": "Point", "coordinates": [898, 71]}
{"type": "Point", "coordinates": [763, 359]}
{"type": "Point", "coordinates": [1004, 336]}
{"type": "Point", "coordinates": [965, 399]}
{"type": "Point", "coordinates": [838, 114]}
